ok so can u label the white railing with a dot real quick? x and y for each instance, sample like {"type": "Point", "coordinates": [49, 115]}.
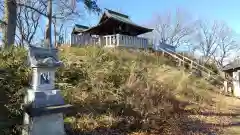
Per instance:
{"type": "Point", "coordinates": [84, 39]}
{"type": "Point", "coordinates": [124, 41]}
{"type": "Point", "coordinates": [109, 40]}
{"type": "Point", "coordinates": [116, 40]}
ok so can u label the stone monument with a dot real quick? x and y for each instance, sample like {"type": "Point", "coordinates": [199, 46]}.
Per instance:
{"type": "Point", "coordinates": [44, 105]}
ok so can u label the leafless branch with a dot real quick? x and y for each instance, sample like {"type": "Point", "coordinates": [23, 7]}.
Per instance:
{"type": "Point", "coordinates": [215, 41]}
{"type": "Point", "coordinates": [227, 44]}
{"type": "Point", "coordinates": [28, 21]}
{"type": "Point", "coordinates": [173, 30]}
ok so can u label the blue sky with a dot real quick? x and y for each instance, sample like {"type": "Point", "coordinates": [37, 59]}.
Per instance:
{"type": "Point", "coordinates": [142, 11]}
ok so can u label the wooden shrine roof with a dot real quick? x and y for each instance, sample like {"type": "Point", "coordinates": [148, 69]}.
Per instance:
{"type": "Point", "coordinates": [113, 22]}
{"type": "Point", "coordinates": [234, 65]}
{"type": "Point", "coordinates": [79, 28]}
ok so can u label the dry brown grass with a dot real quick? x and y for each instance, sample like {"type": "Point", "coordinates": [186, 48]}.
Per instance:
{"type": "Point", "coordinates": [137, 93]}
{"type": "Point", "coordinates": [122, 92]}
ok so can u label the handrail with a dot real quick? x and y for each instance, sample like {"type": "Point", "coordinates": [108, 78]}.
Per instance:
{"type": "Point", "coordinates": [177, 56]}
{"type": "Point", "coordinates": [230, 78]}
{"type": "Point", "coordinates": [193, 62]}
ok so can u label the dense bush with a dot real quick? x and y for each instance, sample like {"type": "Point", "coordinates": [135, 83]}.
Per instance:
{"type": "Point", "coordinates": [14, 80]}
{"type": "Point", "coordinates": [120, 92]}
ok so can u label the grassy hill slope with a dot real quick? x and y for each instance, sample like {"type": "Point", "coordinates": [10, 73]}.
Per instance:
{"type": "Point", "coordinates": [133, 92]}
{"type": "Point", "coordinates": [124, 92]}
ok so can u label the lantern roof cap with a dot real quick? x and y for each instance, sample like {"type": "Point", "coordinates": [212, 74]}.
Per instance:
{"type": "Point", "coordinates": [43, 57]}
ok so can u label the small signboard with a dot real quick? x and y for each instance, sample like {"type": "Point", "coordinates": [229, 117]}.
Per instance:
{"type": "Point", "coordinates": [45, 78]}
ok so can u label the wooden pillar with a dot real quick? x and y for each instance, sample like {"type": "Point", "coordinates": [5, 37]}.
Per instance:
{"type": "Point", "coordinates": [106, 38]}
{"type": "Point", "coordinates": [110, 40]}
{"type": "Point", "coordinates": [118, 39]}
{"type": "Point", "coordinates": [225, 86]}
{"type": "Point", "coordinates": [71, 39]}
{"type": "Point", "coordinates": [236, 89]}
{"type": "Point", "coordinates": [209, 74]}
{"type": "Point", "coordinates": [191, 65]}
{"type": "Point", "coordinates": [183, 63]}
{"type": "Point", "coordinates": [179, 62]}
{"type": "Point", "coordinates": [163, 53]}
{"type": "Point", "coordinates": [99, 41]}
{"type": "Point", "coordinates": [133, 41]}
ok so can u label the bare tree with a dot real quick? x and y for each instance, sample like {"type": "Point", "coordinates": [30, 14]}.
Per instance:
{"type": "Point", "coordinates": [28, 22]}
{"type": "Point", "coordinates": [10, 14]}
{"type": "Point", "coordinates": [215, 41]}
{"type": "Point", "coordinates": [64, 13]}
{"type": "Point", "coordinates": [10, 18]}
{"type": "Point", "coordinates": [173, 30]}
{"type": "Point", "coordinates": [227, 44]}
{"type": "Point", "coordinates": [57, 31]}
{"type": "Point", "coordinates": [48, 35]}
{"type": "Point", "coordinates": [65, 9]}
{"type": "Point", "coordinates": [206, 39]}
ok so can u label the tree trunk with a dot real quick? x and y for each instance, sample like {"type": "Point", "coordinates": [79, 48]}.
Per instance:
{"type": "Point", "coordinates": [10, 17]}
{"type": "Point", "coordinates": [48, 36]}
{"type": "Point", "coordinates": [55, 32]}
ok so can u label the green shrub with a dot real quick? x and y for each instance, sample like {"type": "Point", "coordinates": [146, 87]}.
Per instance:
{"type": "Point", "coordinates": [14, 80]}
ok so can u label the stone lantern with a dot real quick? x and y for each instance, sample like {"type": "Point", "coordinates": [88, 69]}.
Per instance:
{"type": "Point", "coordinates": [44, 104]}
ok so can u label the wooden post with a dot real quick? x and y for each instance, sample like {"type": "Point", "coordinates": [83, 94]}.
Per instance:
{"type": "Point", "coordinates": [99, 41]}
{"type": "Point", "coordinates": [191, 65]}
{"type": "Point", "coordinates": [225, 86]}
{"type": "Point", "coordinates": [179, 64]}
{"type": "Point", "coordinates": [236, 90]}
{"type": "Point", "coordinates": [183, 63]}
{"type": "Point", "coordinates": [106, 39]}
{"type": "Point", "coordinates": [209, 73]}
{"type": "Point", "coordinates": [118, 39]}
{"type": "Point", "coordinates": [110, 40]}
{"type": "Point", "coordinates": [163, 53]}
{"type": "Point", "coordinates": [71, 39]}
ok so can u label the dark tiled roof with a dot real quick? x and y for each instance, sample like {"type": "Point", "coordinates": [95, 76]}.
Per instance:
{"type": "Point", "coordinates": [232, 65]}
{"type": "Point", "coordinates": [118, 16]}
{"type": "Point", "coordinates": [117, 13]}
{"type": "Point", "coordinates": [105, 19]}
{"type": "Point", "coordinates": [79, 28]}
{"type": "Point", "coordinates": [122, 18]}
